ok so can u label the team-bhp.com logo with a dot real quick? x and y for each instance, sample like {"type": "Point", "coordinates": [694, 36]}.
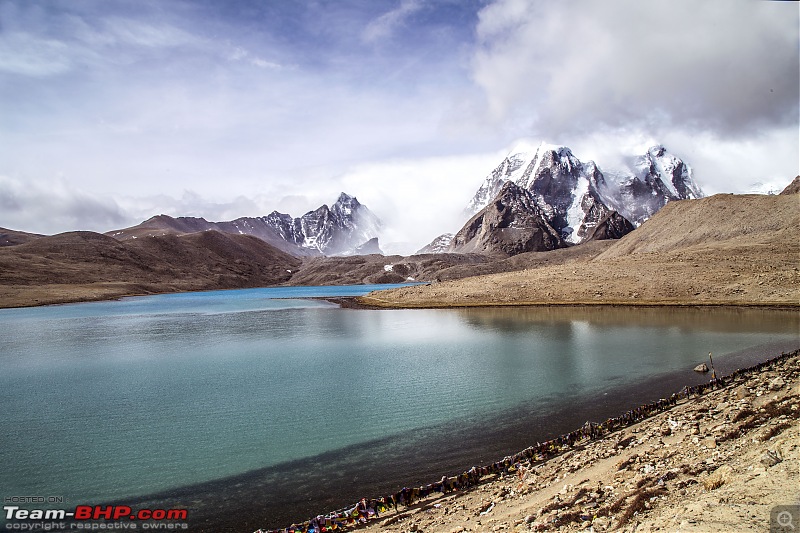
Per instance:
{"type": "Point", "coordinates": [86, 517]}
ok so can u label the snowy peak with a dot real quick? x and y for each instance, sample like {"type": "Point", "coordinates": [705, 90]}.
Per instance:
{"type": "Point", "coordinates": [510, 169]}
{"type": "Point", "coordinates": [439, 245]}
{"type": "Point", "coordinates": [663, 168]}
{"type": "Point", "coordinates": [649, 182]}
{"type": "Point", "coordinates": [345, 205]}
{"type": "Point", "coordinates": [510, 224]}
{"type": "Point", "coordinates": [576, 196]}
{"type": "Point", "coordinates": [334, 230]}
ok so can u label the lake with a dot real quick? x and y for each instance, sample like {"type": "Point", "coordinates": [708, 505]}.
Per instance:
{"type": "Point", "coordinates": [258, 407]}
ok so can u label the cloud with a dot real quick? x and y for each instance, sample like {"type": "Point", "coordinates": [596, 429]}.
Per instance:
{"type": "Point", "coordinates": [571, 67]}
{"type": "Point", "coordinates": [383, 26]}
{"type": "Point", "coordinates": [55, 207]}
{"type": "Point", "coordinates": [240, 54]}
{"type": "Point", "coordinates": [421, 198]}
{"type": "Point", "coordinates": [193, 204]}
{"type": "Point", "coordinates": [28, 55]}
{"type": "Point", "coordinates": [44, 44]}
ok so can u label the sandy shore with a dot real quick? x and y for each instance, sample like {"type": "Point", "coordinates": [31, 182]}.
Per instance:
{"type": "Point", "coordinates": [715, 462]}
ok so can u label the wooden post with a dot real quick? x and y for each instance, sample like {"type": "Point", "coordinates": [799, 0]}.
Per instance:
{"type": "Point", "coordinates": [713, 372]}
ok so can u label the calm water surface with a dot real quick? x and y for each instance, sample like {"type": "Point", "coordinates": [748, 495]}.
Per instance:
{"type": "Point", "coordinates": [183, 397]}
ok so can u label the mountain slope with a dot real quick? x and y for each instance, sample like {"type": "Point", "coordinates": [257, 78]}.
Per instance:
{"type": "Point", "coordinates": [793, 187]}
{"type": "Point", "coordinates": [575, 196]}
{"type": "Point", "coordinates": [10, 237]}
{"type": "Point", "coordinates": [335, 230]}
{"type": "Point", "coordinates": [511, 224]}
{"type": "Point", "coordinates": [84, 265]}
{"type": "Point", "coordinates": [726, 249]}
{"type": "Point", "coordinates": [719, 221]}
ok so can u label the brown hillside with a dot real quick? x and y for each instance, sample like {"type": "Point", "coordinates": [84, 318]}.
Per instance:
{"type": "Point", "coordinates": [793, 187]}
{"type": "Point", "coordinates": [735, 220]}
{"type": "Point", "coordinates": [162, 225]}
{"type": "Point", "coordinates": [10, 237]}
{"type": "Point", "coordinates": [86, 266]}
{"type": "Point", "coordinates": [723, 250]}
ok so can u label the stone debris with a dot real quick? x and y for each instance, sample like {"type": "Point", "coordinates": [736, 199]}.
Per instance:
{"type": "Point", "coordinates": [777, 383]}
{"type": "Point", "coordinates": [770, 458]}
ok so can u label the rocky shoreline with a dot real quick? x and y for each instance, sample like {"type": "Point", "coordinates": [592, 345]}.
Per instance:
{"type": "Point", "coordinates": [718, 461]}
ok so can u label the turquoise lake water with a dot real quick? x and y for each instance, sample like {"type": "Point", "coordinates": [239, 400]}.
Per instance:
{"type": "Point", "coordinates": [147, 396]}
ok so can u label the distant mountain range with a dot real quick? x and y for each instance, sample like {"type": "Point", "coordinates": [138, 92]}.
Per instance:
{"type": "Point", "coordinates": [177, 254]}
{"type": "Point", "coordinates": [548, 198]}
{"type": "Point", "coordinates": [345, 228]}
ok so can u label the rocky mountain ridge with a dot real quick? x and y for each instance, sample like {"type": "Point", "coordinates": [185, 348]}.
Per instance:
{"type": "Point", "coordinates": [552, 171]}
{"type": "Point", "coordinates": [719, 250]}
{"type": "Point", "coordinates": [342, 229]}
{"type": "Point", "coordinates": [573, 198]}
{"type": "Point", "coordinates": [511, 224]}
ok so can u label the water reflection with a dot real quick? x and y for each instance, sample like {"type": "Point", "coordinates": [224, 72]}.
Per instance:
{"type": "Point", "coordinates": [723, 319]}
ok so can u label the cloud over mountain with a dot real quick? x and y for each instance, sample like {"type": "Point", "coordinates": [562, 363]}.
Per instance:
{"type": "Point", "coordinates": [725, 66]}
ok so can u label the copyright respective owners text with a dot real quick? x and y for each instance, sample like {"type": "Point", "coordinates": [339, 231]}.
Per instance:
{"type": "Point", "coordinates": [52, 513]}
{"type": "Point", "coordinates": [785, 519]}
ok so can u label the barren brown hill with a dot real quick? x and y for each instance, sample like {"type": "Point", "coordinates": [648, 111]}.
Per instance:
{"type": "Point", "coordinates": [722, 250]}
{"type": "Point", "coordinates": [793, 187]}
{"type": "Point", "coordinates": [79, 266]}
{"type": "Point", "coordinates": [723, 220]}
{"type": "Point", "coordinates": [384, 269]}
{"type": "Point", "coordinates": [431, 267]}
{"type": "Point", "coordinates": [10, 237]}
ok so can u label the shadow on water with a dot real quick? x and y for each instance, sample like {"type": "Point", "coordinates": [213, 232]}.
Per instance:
{"type": "Point", "coordinates": [294, 491]}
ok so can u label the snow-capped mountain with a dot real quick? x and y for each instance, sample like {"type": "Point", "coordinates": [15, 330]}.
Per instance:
{"type": "Point", "coordinates": [575, 196]}
{"type": "Point", "coordinates": [768, 188]}
{"type": "Point", "coordinates": [439, 245]}
{"type": "Point", "coordinates": [511, 224]}
{"type": "Point", "coordinates": [339, 229]}
{"type": "Point", "coordinates": [648, 182]}
{"type": "Point", "coordinates": [342, 229]}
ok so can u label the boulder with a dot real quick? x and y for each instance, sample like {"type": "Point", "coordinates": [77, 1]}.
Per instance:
{"type": "Point", "coordinates": [741, 392]}
{"type": "Point", "coordinates": [770, 458]}
{"type": "Point", "coordinates": [718, 477]}
{"type": "Point", "coordinates": [777, 383]}
{"type": "Point", "coordinates": [702, 367]}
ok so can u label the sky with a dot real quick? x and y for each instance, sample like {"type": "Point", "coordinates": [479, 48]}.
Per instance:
{"type": "Point", "coordinates": [112, 111]}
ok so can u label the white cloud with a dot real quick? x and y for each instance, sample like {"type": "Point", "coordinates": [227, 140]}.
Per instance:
{"type": "Point", "coordinates": [240, 54]}
{"type": "Point", "coordinates": [55, 207]}
{"type": "Point", "coordinates": [726, 66]}
{"type": "Point", "coordinates": [29, 55]}
{"type": "Point", "coordinates": [419, 199]}
{"type": "Point", "coordinates": [120, 30]}
{"type": "Point", "coordinates": [384, 25]}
